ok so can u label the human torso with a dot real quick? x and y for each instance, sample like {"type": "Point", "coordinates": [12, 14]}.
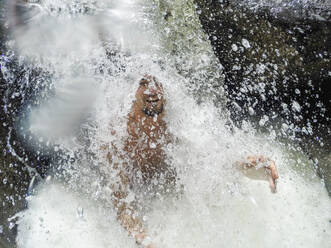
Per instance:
{"type": "Point", "coordinates": [147, 138]}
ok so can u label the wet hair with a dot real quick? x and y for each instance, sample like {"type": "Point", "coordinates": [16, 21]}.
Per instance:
{"type": "Point", "coordinates": [148, 79]}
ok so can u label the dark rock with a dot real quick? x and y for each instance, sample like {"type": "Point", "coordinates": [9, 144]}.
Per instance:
{"type": "Point", "coordinates": [20, 85]}
{"type": "Point", "coordinates": [277, 66]}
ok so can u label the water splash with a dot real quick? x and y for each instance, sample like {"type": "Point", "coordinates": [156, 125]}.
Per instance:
{"type": "Point", "coordinates": [219, 206]}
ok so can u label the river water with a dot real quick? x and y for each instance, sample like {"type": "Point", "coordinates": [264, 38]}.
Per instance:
{"type": "Point", "coordinates": [96, 52]}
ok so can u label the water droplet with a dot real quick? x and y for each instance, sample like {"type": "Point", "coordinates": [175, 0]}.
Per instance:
{"type": "Point", "coordinates": [11, 225]}
{"type": "Point", "coordinates": [80, 212]}
{"type": "Point", "coordinates": [251, 111]}
{"type": "Point", "coordinates": [48, 179]}
{"type": "Point", "coordinates": [296, 106]}
{"type": "Point", "coordinates": [245, 43]}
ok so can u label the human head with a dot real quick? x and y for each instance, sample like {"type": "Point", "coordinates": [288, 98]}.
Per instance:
{"type": "Point", "coordinates": [149, 96]}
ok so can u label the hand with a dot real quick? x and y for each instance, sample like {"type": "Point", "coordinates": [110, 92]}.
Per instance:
{"type": "Point", "coordinates": [273, 176]}
{"type": "Point", "coordinates": [270, 168]}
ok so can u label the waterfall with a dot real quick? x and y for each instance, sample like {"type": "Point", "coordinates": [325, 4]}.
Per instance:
{"type": "Point", "coordinates": [81, 64]}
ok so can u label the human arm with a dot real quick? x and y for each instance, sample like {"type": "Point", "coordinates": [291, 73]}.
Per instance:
{"type": "Point", "coordinates": [123, 201]}
{"type": "Point", "coordinates": [263, 162]}
{"type": "Point", "coordinates": [127, 214]}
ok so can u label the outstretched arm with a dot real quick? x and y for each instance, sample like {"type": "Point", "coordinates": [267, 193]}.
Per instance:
{"type": "Point", "coordinates": [268, 164]}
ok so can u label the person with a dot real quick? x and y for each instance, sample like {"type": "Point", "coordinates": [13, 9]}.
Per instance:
{"type": "Point", "coordinates": [143, 149]}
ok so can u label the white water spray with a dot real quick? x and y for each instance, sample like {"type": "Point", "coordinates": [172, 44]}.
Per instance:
{"type": "Point", "coordinates": [219, 206]}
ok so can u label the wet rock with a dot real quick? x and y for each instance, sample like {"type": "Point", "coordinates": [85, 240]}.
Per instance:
{"type": "Point", "coordinates": [23, 157]}
{"type": "Point", "coordinates": [277, 63]}
{"type": "Point", "coordinates": [267, 59]}
{"type": "Point", "coordinates": [18, 160]}
{"type": "Point", "coordinates": [14, 178]}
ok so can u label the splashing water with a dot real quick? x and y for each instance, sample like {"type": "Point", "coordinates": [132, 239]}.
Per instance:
{"type": "Point", "coordinates": [96, 60]}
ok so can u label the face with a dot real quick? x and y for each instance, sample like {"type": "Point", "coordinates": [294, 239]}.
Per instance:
{"type": "Point", "coordinates": [149, 96]}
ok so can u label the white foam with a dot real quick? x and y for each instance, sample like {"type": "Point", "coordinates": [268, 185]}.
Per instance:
{"type": "Point", "coordinates": [209, 214]}
{"type": "Point", "coordinates": [58, 218]}
{"type": "Point", "coordinates": [220, 206]}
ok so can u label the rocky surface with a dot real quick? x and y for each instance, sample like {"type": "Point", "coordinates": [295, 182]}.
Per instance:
{"type": "Point", "coordinates": [17, 159]}
{"type": "Point", "coordinates": [277, 67]}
